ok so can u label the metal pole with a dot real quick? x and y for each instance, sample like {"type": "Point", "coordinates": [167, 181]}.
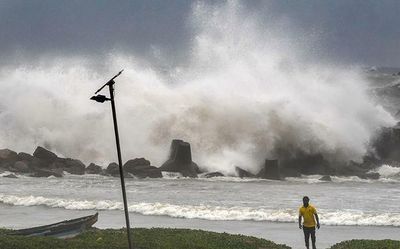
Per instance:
{"type": "Point", "coordinates": [121, 172]}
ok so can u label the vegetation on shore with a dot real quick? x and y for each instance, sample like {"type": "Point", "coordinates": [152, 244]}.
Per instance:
{"type": "Point", "coordinates": [166, 238]}
{"type": "Point", "coordinates": [368, 244]}
{"type": "Point", "coordinates": [155, 238]}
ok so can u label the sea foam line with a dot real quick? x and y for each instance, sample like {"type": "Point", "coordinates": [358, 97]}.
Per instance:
{"type": "Point", "coordinates": [207, 212]}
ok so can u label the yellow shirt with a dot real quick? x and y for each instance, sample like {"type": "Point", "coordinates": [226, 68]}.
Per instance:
{"type": "Point", "coordinates": [308, 215]}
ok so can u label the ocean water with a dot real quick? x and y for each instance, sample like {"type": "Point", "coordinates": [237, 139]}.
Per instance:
{"type": "Point", "coordinates": [249, 206]}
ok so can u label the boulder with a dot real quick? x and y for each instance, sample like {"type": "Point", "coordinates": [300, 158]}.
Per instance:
{"type": "Point", "coordinates": [93, 169]}
{"type": "Point", "coordinates": [112, 169]}
{"type": "Point", "coordinates": [46, 173]}
{"type": "Point", "coordinates": [8, 155]}
{"type": "Point", "coordinates": [130, 165]}
{"type": "Point", "coordinates": [22, 156]}
{"type": "Point", "coordinates": [38, 163]}
{"type": "Point", "coordinates": [270, 170]}
{"type": "Point", "coordinates": [356, 169]}
{"type": "Point", "coordinates": [370, 175]}
{"type": "Point", "coordinates": [21, 167]}
{"type": "Point", "coordinates": [326, 178]}
{"type": "Point", "coordinates": [213, 174]}
{"type": "Point", "coordinates": [350, 169]}
{"type": "Point", "coordinates": [44, 154]}
{"type": "Point", "coordinates": [180, 159]}
{"type": "Point", "coordinates": [7, 158]}
{"type": "Point", "coordinates": [387, 144]}
{"type": "Point", "coordinates": [243, 173]}
{"type": "Point", "coordinates": [289, 172]}
{"type": "Point", "coordinates": [72, 166]}
{"type": "Point", "coordinates": [306, 164]}
{"type": "Point", "coordinates": [141, 168]}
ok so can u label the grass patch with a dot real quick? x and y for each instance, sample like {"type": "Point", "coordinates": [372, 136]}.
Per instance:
{"type": "Point", "coordinates": [368, 244]}
{"type": "Point", "coordinates": [155, 238]}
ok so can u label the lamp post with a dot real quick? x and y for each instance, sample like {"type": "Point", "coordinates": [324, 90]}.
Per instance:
{"type": "Point", "coordinates": [101, 99]}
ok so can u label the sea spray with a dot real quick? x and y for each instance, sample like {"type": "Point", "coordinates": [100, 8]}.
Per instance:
{"type": "Point", "coordinates": [249, 91]}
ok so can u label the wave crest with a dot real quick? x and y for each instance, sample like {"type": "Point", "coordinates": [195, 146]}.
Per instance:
{"type": "Point", "coordinates": [208, 212]}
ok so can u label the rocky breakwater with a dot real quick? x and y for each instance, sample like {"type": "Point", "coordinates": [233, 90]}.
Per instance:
{"type": "Point", "coordinates": [141, 168]}
{"type": "Point", "coordinates": [314, 164]}
{"type": "Point", "coordinates": [43, 163]}
{"type": "Point", "coordinates": [180, 160]}
{"type": "Point", "coordinates": [269, 170]}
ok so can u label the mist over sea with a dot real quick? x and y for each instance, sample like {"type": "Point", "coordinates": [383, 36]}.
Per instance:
{"type": "Point", "coordinates": [247, 90]}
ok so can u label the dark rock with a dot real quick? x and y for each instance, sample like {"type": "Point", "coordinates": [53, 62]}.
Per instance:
{"type": "Point", "coordinates": [93, 169]}
{"type": "Point", "coordinates": [326, 178]}
{"type": "Point", "coordinates": [180, 159]}
{"type": "Point", "coordinates": [44, 154]}
{"type": "Point", "coordinates": [22, 156]}
{"type": "Point", "coordinates": [307, 164]}
{"type": "Point", "coordinates": [6, 165]}
{"type": "Point", "coordinates": [371, 175]}
{"type": "Point", "coordinates": [131, 164]}
{"type": "Point", "coordinates": [371, 162]}
{"type": "Point", "coordinates": [136, 162]}
{"type": "Point", "coordinates": [270, 170]}
{"type": "Point", "coordinates": [21, 167]}
{"type": "Point", "coordinates": [72, 166]}
{"type": "Point", "coordinates": [141, 168]}
{"type": "Point", "coordinates": [387, 144]}
{"type": "Point", "coordinates": [243, 173]}
{"type": "Point", "coordinates": [350, 169]}
{"type": "Point", "coordinates": [7, 158]}
{"type": "Point", "coordinates": [46, 173]}
{"type": "Point", "coordinates": [38, 163]}
{"type": "Point", "coordinates": [213, 174]}
{"type": "Point", "coordinates": [11, 176]}
{"type": "Point", "coordinates": [290, 172]}
{"type": "Point", "coordinates": [147, 171]}
{"type": "Point", "coordinates": [6, 154]}
{"type": "Point", "coordinates": [112, 169]}
{"type": "Point", "coordinates": [356, 169]}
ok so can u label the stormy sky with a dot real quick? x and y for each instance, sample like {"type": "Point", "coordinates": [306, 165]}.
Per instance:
{"type": "Point", "coordinates": [362, 32]}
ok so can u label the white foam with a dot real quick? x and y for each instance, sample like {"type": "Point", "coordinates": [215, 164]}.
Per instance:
{"type": "Point", "coordinates": [388, 171]}
{"type": "Point", "coordinates": [208, 212]}
{"type": "Point", "coordinates": [388, 175]}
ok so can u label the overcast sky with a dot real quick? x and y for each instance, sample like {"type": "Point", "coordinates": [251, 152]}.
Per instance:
{"type": "Point", "coordinates": [364, 32]}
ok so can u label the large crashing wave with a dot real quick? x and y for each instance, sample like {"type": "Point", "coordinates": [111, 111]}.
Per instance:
{"type": "Point", "coordinates": [207, 212]}
{"type": "Point", "coordinates": [249, 90]}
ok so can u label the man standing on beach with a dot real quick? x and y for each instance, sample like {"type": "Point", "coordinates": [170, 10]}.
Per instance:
{"type": "Point", "coordinates": [308, 212]}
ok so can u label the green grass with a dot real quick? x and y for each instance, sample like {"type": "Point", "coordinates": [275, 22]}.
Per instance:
{"type": "Point", "coordinates": [166, 238]}
{"type": "Point", "coordinates": [155, 238]}
{"type": "Point", "coordinates": [368, 244]}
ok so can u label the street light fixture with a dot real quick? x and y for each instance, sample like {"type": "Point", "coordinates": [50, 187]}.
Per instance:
{"type": "Point", "coordinates": [101, 98]}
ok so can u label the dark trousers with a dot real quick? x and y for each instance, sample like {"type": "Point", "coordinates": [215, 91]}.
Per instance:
{"type": "Point", "coordinates": [307, 232]}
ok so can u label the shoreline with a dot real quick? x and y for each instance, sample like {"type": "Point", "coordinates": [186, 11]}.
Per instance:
{"type": "Point", "coordinates": [281, 233]}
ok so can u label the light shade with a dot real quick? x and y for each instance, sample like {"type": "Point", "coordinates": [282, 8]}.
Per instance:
{"type": "Point", "coordinates": [99, 98]}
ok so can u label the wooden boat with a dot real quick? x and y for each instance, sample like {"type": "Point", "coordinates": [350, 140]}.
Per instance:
{"type": "Point", "coordinates": [63, 229]}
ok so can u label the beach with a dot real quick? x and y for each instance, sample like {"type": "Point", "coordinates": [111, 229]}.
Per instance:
{"type": "Point", "coordinates": [260, 208]}
{"type": "Point", "coordinates": [281, 233]}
